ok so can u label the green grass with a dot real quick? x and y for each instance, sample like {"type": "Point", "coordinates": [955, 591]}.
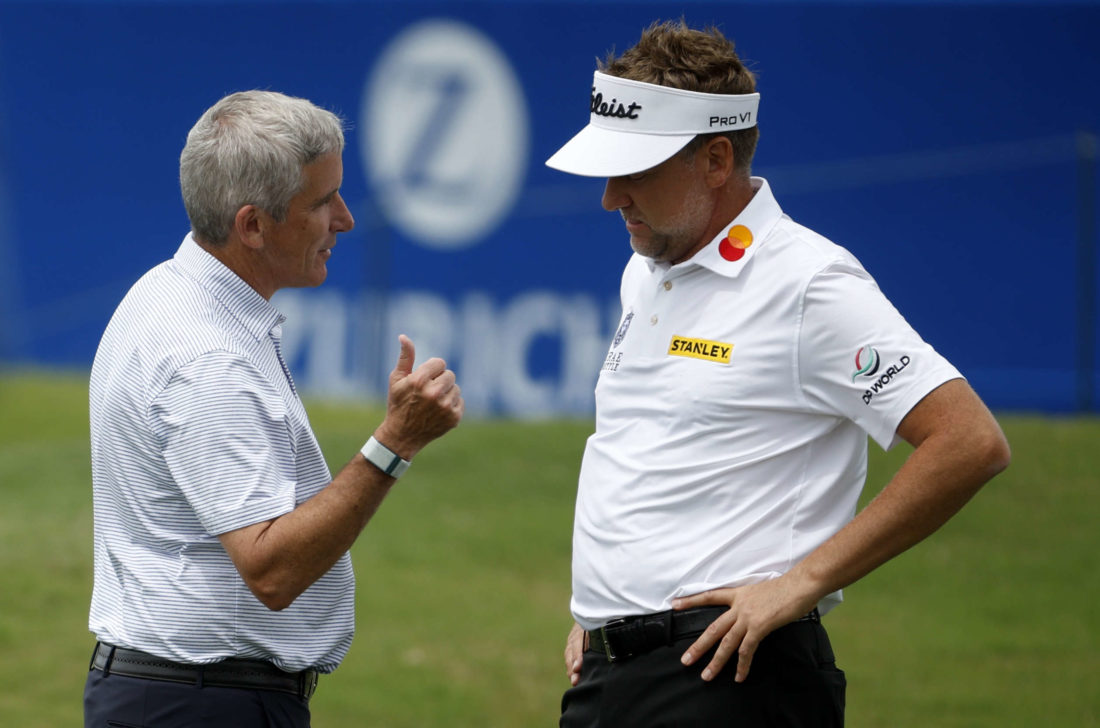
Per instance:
{"type": "Point", "coordinates": [464, 581]}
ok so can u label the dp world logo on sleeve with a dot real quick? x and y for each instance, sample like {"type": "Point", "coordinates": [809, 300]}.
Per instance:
{"type": "Point", "coordinates": [444, 133]}
{"type": "Point", "coordinates": [868, 364]}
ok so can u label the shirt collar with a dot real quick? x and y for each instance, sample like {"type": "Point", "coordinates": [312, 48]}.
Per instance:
{"type": "Point", "coordinates": [735, 245]}
{"type": "Point", "coordinates": [252, 310]}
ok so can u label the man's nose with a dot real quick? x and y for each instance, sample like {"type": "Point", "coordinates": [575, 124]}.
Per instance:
{"type": "Point", "coordinates": [343, 221]}
{"type": "Point", "coordinates": [615, 195]}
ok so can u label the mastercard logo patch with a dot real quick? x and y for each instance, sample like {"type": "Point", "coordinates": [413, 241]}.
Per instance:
{"type": "Point", "coordinates": [736, 242]}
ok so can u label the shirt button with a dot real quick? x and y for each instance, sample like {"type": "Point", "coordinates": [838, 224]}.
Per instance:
{"type": "Point", "coordinates": [668, 285]}
{"type": "Point", "coordinates": [653, 320]}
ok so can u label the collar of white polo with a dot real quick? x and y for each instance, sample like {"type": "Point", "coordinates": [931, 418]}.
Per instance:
{"type": "Point", "coordinates": [635, 126]}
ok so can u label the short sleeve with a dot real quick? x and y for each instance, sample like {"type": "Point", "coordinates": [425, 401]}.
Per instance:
{"type": "Point", "coordinates": [859, 358]}
{"type": "Point", "coordinates": [225, 438]}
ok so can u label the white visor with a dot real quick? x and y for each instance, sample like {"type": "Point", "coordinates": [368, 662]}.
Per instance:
{"type": "Point", "coordinates": [635, 126]}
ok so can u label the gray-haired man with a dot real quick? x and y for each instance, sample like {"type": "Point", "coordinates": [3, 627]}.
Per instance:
{"type": "Point", "coordinates": [223, 584]}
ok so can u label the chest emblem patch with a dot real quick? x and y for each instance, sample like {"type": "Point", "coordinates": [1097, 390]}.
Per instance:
{"type": "Point", "coordinates": [716, 351]}
{"type": "Point", "coordinates": [622, 330]}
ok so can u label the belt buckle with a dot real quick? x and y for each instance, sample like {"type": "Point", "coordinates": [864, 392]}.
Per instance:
{"type": "Point", "coordinates": [611, 656]}
{"type": "Point", "coordinates": [307, 684]}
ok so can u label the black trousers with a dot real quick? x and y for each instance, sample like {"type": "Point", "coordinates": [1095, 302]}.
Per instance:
{"type": "Point", "coordinates": [793, 681]}
{"type": "Point", "coordinates": [131, 702]}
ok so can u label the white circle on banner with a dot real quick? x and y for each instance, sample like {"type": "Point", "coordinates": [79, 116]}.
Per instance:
{"type": "Point", "coordinates": [445, 134]}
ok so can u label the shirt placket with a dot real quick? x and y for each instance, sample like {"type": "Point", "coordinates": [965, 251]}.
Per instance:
{"type": "Point", "coordinates": [276, 339]}
{"type": "Point", "coordinates": [659, 304]}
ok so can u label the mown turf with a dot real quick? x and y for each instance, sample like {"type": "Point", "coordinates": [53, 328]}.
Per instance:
{"type": "Point", "coordinates": [463, 581]}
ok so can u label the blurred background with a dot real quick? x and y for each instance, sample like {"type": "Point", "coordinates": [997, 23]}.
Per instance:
{"type": "Point", "coordinates": [952, 147]}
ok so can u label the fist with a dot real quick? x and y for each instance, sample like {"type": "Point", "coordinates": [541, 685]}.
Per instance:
{"type": "Point", "coordinates": [423, 403]}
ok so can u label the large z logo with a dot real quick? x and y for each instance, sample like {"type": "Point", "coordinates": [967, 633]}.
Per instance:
{"type": "Point", "coordinates": [451, 92]}
{"type": "Point", "coordinates": [444, 134]}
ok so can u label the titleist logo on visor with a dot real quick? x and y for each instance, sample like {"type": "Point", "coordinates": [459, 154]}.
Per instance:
{"type": "Point", "coordinates": [615, 109]}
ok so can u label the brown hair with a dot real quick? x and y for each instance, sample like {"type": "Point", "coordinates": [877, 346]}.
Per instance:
{"type": "Point", "coordinates": [671, 54]}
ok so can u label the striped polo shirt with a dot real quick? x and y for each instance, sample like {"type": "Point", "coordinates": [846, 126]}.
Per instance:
{"type": "Point", "coordinates": [197, 430]}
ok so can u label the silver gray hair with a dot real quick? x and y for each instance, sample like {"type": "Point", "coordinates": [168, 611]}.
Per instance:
{"type": "Point", "coordinates": [249, 149]}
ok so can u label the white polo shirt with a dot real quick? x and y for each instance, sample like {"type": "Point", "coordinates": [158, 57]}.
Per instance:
{"type": "Point", "coordinates": [732, 414]}
{"type": "Point", "coordinates": [197, 430]}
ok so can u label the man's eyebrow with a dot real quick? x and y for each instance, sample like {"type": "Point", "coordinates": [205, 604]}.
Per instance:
{"type": "Point", "coordinates": [325, 198]}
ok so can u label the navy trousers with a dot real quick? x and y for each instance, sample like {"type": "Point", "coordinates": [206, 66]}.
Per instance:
{"type": "Point", "coordinates": [793, 682]}
{"type": "Point", "coordinates": [131, 702]}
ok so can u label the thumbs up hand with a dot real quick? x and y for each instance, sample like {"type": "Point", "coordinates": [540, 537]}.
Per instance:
{"type": "Point", "coordinates": [422, 403]}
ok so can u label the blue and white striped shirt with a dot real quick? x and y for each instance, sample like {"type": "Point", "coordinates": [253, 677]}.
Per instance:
{"type": "Point", "coordinates": [197, 430]}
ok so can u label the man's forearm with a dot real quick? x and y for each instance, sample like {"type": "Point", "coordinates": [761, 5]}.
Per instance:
{"type": "Point", "coordinates": [958, 448]}
{"type": "Point", "coordinates": [279, 559]}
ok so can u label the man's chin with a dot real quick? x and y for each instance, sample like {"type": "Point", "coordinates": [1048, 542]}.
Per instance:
{"type": "Point", "coordinates": [315, 277]}
{"type": "Point", "coordinates": [646, 248]}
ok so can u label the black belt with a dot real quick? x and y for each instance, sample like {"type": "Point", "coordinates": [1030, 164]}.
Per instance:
{"type": "Point", "coordinates": [632, 636]}
{"type": "Point", "coordinates": [232, 673]}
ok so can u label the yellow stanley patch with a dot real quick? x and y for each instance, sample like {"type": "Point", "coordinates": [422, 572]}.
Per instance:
{"type": "Point", "coordinates": [718, 351]}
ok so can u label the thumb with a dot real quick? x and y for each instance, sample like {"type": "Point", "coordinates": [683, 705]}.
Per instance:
{"type": "Point", "coordinates": [406, 357]}
{"type": "Point", "coordinates": [714, 597]}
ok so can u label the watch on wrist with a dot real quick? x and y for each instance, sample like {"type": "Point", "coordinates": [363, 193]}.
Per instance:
{"type": "Point", "coordinates": [384, 459]}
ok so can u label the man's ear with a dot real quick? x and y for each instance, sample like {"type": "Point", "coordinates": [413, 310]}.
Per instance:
{"type": "Point", "coordinates": [719, 159]}
{"type": "Point", "coordinates": [249, 224]}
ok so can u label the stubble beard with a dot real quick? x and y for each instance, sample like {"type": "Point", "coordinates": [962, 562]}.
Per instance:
{"type": "Point", "coordinates": [678, 236]}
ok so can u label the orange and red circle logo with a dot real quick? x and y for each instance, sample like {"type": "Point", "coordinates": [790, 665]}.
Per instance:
{"type": "Point", "coordinates": [736, 242]}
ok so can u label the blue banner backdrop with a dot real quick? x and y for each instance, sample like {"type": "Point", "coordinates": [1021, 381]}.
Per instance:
{"type": "Point", "coordinates": [950, 147]}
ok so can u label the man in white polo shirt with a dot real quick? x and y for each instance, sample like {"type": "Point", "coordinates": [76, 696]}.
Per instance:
{"type": "Point", "coordinates": [714, 519]}
{"type": "Point", "coordinates": [223, 584]}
